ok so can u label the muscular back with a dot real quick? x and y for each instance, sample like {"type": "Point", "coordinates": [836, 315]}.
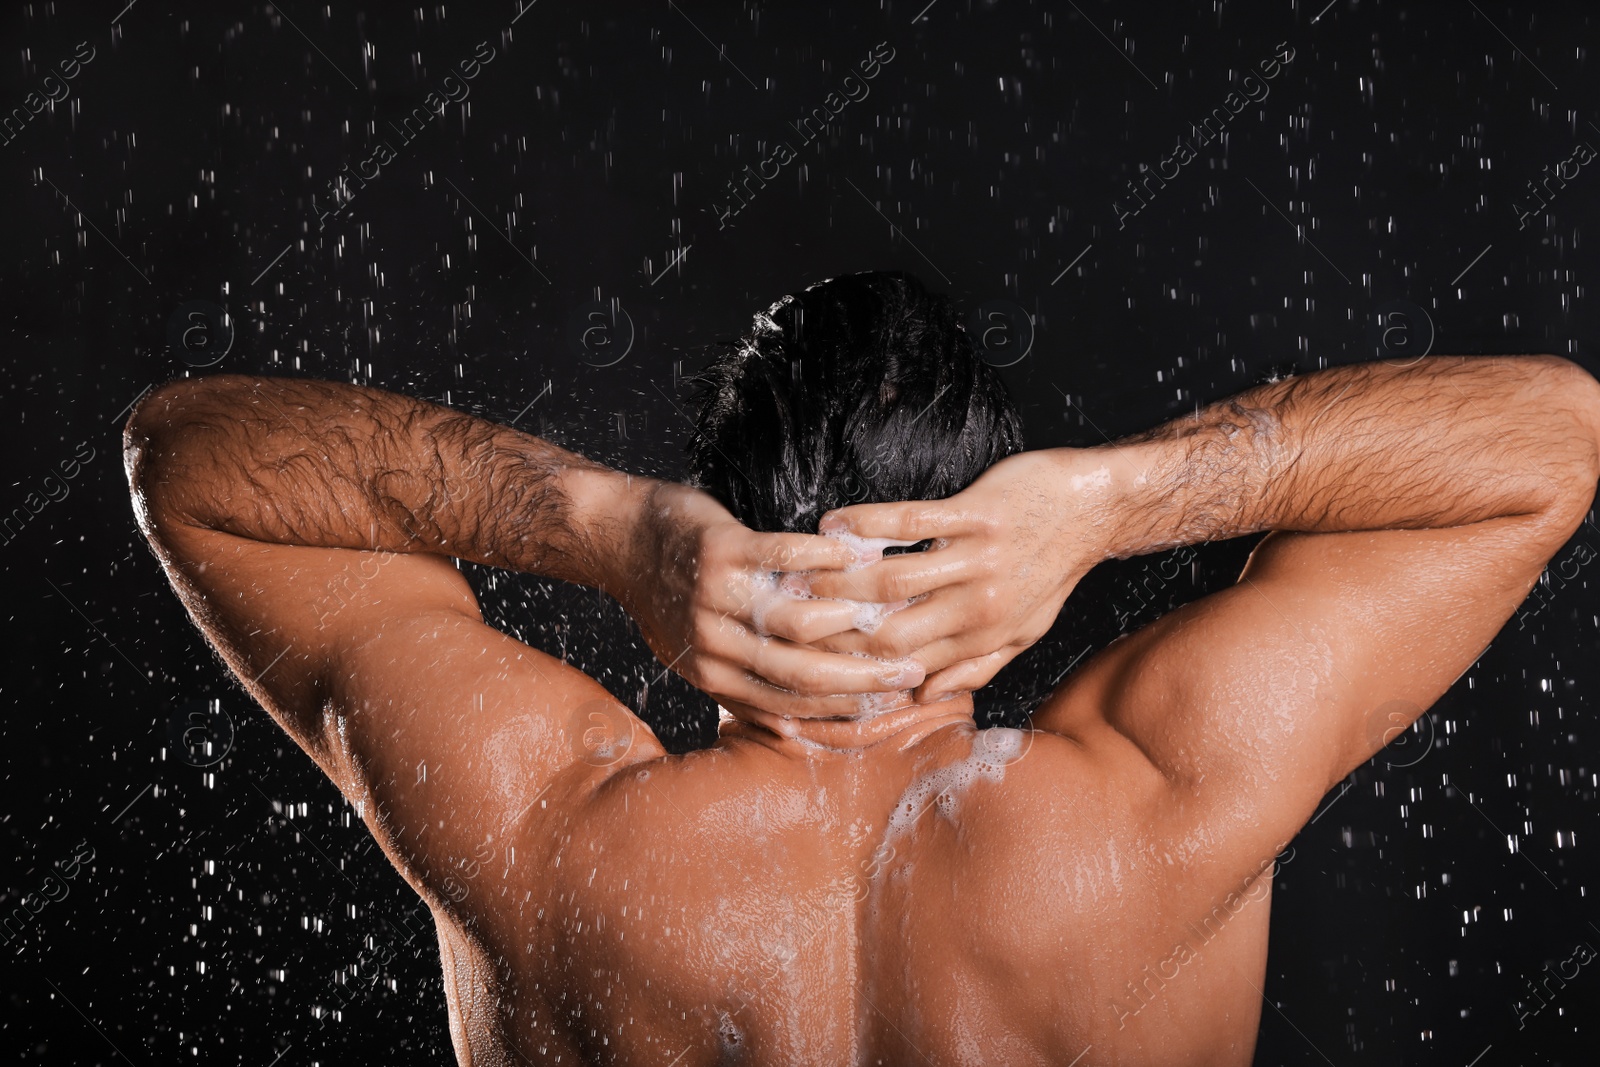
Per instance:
{"type": "Point", "coordinates": [971, 897]}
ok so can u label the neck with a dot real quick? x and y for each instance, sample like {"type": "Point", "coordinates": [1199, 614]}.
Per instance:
{"type": "Point", "coordinates": [898, 725]}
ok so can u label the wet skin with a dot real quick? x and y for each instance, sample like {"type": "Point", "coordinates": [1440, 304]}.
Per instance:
{"type": "Point", "coordinates": [838, 887]}
{"type": "Point", "coordinates": [752, 903]}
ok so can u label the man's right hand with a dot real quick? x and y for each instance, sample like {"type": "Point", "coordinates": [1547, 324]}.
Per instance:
{"type": "Point", "coordinates": [704, 590]}
{"type": "Point", "coordinates": [1007, 552]}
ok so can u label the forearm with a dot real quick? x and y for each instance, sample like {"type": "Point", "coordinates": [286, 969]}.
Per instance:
{"type": "Point", "coordinates": [341, 466]}
{"type": "Point", "coordinates": [1443, 442]}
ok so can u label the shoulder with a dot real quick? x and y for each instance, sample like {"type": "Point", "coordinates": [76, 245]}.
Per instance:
{"type": "Point", "coordinates": [1070, 817]}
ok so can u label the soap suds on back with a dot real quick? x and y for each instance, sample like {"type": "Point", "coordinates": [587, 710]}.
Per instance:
{"type": "Point", "coordinates": [992, 750]}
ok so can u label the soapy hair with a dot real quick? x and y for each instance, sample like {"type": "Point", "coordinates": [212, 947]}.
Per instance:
{"type": "Point", "coordinates": [859, 389]}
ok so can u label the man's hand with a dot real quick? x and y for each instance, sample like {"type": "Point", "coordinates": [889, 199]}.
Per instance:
{"type": "Point", "coordinates": [706, 593]}
{"type": "Point", "coordinates": [1007, 552]}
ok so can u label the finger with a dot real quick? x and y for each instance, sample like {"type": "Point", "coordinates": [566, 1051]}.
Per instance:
{"type": "Point", "coordinates": [909, 520]}
{"type": "Point", "coordinates": [828, 618]}
{"type": "Point", "coordinates": [919, 629]}
{"type": "Point", "coordinates": [943, 653]}
{"type": "Point", "coordinates": [804, 620]}
{"type": "Point", "coordinates": [796, 552]}
{"type": "Point", "coordinates": [964, 676]}
{"type": "Point", "coordinates": [936, 635]}
{"type": "Point", "coordinates": [812, 672]}
{"type": "Point", "coordinates": [800, 668]}
{"type": "Point", "coordinates": [757, 600]}
{"type": "Point", "coordinates": [896, 578]}
{"type": "Point", "coordinates": [728, 682]}
{"type": "Point", "coordinates": [773, 608]}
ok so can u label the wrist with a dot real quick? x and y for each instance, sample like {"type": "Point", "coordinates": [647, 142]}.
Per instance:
{"type": "Point", "coordinates": [605, 512]}
{"type": "Point", "coordinates": [1139, 496]}
{"type": "Point", "coordinates": [1212, 475]}
{"type": "Point", "coordinates": [1104, 493]}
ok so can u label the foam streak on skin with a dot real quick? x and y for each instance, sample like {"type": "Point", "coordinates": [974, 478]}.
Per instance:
{"type": "Point", "coordinates": [875, 704]}
{"type": "Point", "coordinates": [992, 750]}
{"type": "Point", "coordinates": [769, 588]}
{"type": "Point", "coordinates": [764, 595]}
{"type": "Point", "coordinates": [869, 615]}
{"type": "Point", "coordinates": [1099, 478]}
{"type": "Point", "coordinates": [868, 550]}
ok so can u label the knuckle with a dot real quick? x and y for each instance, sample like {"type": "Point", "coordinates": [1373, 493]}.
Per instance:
{"type": "Point", "coordinates": [802, 629]}
{"type": "Point", "coordinates": [828, 587]}
{"type": "Point", "coordinates": [695, 670]}
{"type": "Point", "coordinates": [893, 642]}
{"type": "Point", "coordinates": [808, 678]}
{"type": "Point", "coordinates": [797, 634]}
{"type": "Point", "coordinates": [779, 624]}
{"type": "Point", "coordinates": [841, 642]}
{"type": "Point", "coordinates": [730, 681]}
{"type": "Point", "coordinates": [898, 646]}
{"type": "Point", "coordinates": [707, 630]}
{"type": "Point", "coordinates": [718, 544]}
{"type": "Point", "coordinates": [696, 635]}
{"type": "Point", "coordinates": [741, 596]}
{"type": "Point", "coordinates": [701, 625]}
{"type": "Point", "coordinates": [785, 552]}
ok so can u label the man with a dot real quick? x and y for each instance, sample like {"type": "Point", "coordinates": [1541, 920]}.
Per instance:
{"type": "Point", "coordinates": [854, 874]}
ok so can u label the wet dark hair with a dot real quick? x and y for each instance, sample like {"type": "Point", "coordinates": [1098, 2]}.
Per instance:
{"type": "Point", "coordinates": [860, 389]}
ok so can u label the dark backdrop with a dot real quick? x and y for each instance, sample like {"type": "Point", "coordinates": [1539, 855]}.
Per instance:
{"type": "Point", "coordinates": [555, 247]}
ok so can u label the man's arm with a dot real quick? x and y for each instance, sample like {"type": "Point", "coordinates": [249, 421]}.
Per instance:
{"type": "Point", "coordinates": [1414, 509]}
{"type": "Point", "coordinates": [308, 527]}
{"type": "Point", "coordinates": [334, 466]}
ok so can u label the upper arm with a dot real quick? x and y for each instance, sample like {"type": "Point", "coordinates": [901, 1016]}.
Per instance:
{"type": "Point", "coordinates": [440, 728]}
{"type": "Point", "coordinates": [1254, 701]}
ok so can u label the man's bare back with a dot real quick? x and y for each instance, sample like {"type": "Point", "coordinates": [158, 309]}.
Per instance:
{"type": "Point", "coordinates": [756, 903]}
{"type": "Point", "coordinates": [854, 873]}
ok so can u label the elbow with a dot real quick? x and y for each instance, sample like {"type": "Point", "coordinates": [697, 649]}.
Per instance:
{"type": "Point", "coordinates": [1577, 394]}
{"type": "Point", "coordinates": [167, 411]}
{"type": "Point", "coordinates": [1571, 396]}
{"type": "Point", "coordinates": [146, 437]}
{"type": "Point", "coordinates": [159, 442]}
{"type": "Point", "coordinates": [167, 405]}
{"type": "Point", "coordinates": [1573, 388]}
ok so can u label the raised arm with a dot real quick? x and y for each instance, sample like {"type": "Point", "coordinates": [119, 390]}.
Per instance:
{"type": "Point", "coordinates": [308, 527]}
{"type": "Point", "coordinates": [333, 466]}
{"type": "Point", "coordinates": [1413, 507]}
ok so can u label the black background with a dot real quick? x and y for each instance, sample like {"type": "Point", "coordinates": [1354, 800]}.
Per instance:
{"type": "Point", "coordinates": [235, 914]}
